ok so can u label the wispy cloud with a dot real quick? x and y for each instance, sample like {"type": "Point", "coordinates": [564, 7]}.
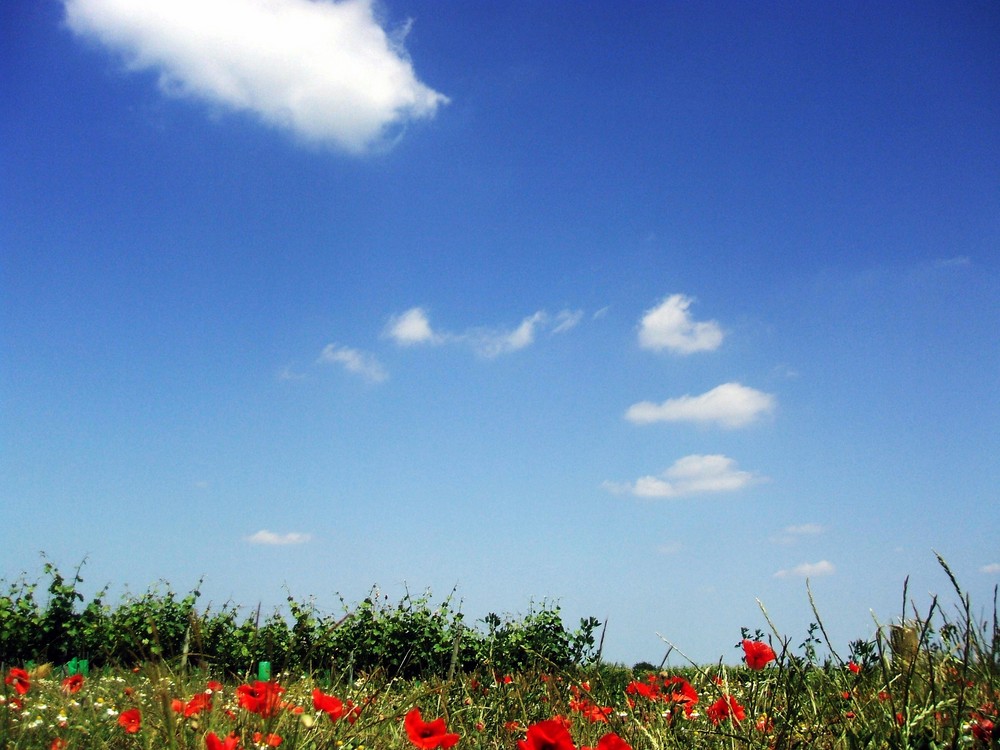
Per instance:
{"type": "Point", "coordinates": [355, 361]}
{"type": "Point", "coordinates": [269, 537]}
{"type": "Point", "coordinates": [326, 71]}
{"type": "Point", "coordinates": [808, 570]}
{"type": "Point", "coordinates": [670, 326]}
{"type": "Point", "coordinates": [990, 569]}
{"type": "Point", "coordinates": [691, 475]}
{"type": "Point", "coordinates": [567, 319]}
{"type": "Point", "coordinates": [793, 534]}
{"type": "Point", "coordinates": [413, 327]}
{"type": "Point", "coordinates": [730, 405]}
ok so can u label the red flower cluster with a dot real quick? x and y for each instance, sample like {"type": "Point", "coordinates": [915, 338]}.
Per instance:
{"type": "Point", "coordinates": [197, 704]}
{"type": "Point", "coordinates": [757, 654]}
{"type": "Point", "coordinates": [212, 742]}
{"type": "Point", "coordinates": [553, 734]}
{"type": "Point", "coordinates": [583, 705]}
{"type": "Point", "coordinates": [428, 735]}
{"type": "Point", "coordinates": [675, 690]}
{"type": "Point", "coordinates": [72, 684]}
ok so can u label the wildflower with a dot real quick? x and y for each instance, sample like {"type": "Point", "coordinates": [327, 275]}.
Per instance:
{"type": "Point", "coordinates": [200, 702]}
{"type": "Point", "coordinates": [262, 698]}
{"type": "Point", "coordinates": [984, 730]}
{"type": "Point", "coordinates": [853, 667]}
{"type": "Point", "coordinates": [724, 708]}
{"type": "Point", "coordinates": [551, 734]}
{"type": "Point", "coordinates": [72, 684]}
{"type": "Point", "coordinates": [19, 679]}
{"type": "Point", "coordinates": [428, 735]}
{"type": "Point", "coordinates": [212, 742]}
{"type": "Point", "coordinates": [267, 740]}
{"type": "Point", "coordinates": [130, 720]}
{"type": "Point", "coordinates": [611, 741]}
{"type": "Point", "coordinates": [681, 692]}
{"type": "Point", "coordinates": [58, 744]}
{"type": "Point", "coordinates": [331, 705]}
{"type": "Point", "coordinates": [757, 654]}
{"type": "Point", "coordinates": [214, 686]}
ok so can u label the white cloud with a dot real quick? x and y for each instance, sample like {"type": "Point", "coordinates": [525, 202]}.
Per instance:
{"type": "Point", "coordinates": [412, 327]}
{"type": "Point", "coordinates": [730, 405]}
{"type": "Point", "coordinates": [494, 343]}
{"type": "Point", "coordinates": [792, 534]}
{"type": "Point", "coordinates": [326, 71]}
{"type": "Point", "coordinates": [669, 326]}
{"type": "Point", "coordinates": [567, 319]}
{"type": "Point", "coordinates": [990, 569]}
{"type": "Point", "coordinates": [808, 570]}
{"type": "Point", "coordinates": [269, 537]}
{"type": "Point", "coordinates": [353, 360]}
{"type": "Point", "coordinates": [691, 475]}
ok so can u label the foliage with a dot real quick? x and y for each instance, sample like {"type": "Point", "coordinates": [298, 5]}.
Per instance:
{"type": "Point", "coordinates": [413, 638]}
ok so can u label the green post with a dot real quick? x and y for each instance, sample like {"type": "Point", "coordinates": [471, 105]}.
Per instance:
{"type": "Point", "coordinates": [264, 671]}
{"type": "Point", "coordinates": [72, 666]}
{"type": "Point", "coordinates": [84, 665]}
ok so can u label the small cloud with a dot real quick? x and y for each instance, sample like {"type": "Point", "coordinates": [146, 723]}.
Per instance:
{"type": "Point", "coordinates": [494, 343]}
{"type": "Point", "coordinates": [269, 537]}
{"type": "Point", "coordinates": [805, 529]}
{"type": "Point", "coordinates": [691, 475]}
{"type": "Point", "coordinates": [792, 534]}
{"type": "Point", "coordinates": [808, 570]}
{"type": "Point", "coordinates": [669, 326]}
{"type": "Point", "coordinates": [990, 569]}
{"type": "Point", "coordinates": [412, 327]}
{"type": "Point", "coordinates": [353, 360]}
{"type": "Point", "coordinates": [326, 71]}
{"type": "Point", "coordinates": [288, 374]}
{"type": "Point", "coordinates": [601, 313]}
{"type": "Point", "coordinates": [729, 405]}
{"type": "Point", "coordinates": [959, 261]}
{"type": "Point", "coordinates": [567, 319]}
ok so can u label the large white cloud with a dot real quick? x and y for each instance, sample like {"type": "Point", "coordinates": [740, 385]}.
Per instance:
{"type": "Point", "coordinates": [356, 361]}
{"type": "Point", "coordinates": [691, 475]}
{"type": "Point", "coordinates": [326, 71]}
{"type": "Point", "coordinates": [670, 326]}
{"type": "Point", "coordinates": [729, 405]}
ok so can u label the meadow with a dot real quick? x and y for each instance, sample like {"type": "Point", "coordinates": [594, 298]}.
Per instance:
{"type": "Point", "coordinates": [154, 671]}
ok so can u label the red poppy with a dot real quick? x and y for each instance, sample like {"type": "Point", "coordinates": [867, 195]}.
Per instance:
{"type": "Point", "coordinates": [212, 742]}
{"type": "Point", "coordinates": [130, 721]}
{"type": "Point", "coordinates": [19, 679]}
{"type": "Point", "coordinates": [547, 735]}
{"type": "Point", "coordinates": [724, 708]}
{"type": "Point", "coordinates": [853, 667]}
{"type": "Point", "coordinates": [262, 698]}
{"type": "Point", "coordinates": [215, 686]}
{"type": "Point", "coordinates": [610, 741]}
{"type": "Point", "coordinates": [331, 705]}
{"type": "Point", "coordinates": [73, 683]}
{"type": "Point", "coordinates": [200, 702]}
{"type": "Point", "coordinates": [758, 654]}
{"type": "Point", "coordinates": [680, 691]}
{"type": "Point", "coordinates": [267, 740]}
{"type": "Point", "coordinates": [58, 744]}
{"type": "Point", "coordinates": [428, 735]}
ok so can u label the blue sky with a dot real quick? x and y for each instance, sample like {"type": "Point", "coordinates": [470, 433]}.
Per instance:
{"type": "Point", "coordinates": [651, 309]}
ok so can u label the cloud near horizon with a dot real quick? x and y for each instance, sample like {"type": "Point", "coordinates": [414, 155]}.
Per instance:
{"type": "Point", "coordinates": [412, 328]}
{"type": "Point", "coordinates": [670, 326]}
{"type": "Point", "coordinates": [326, 71]}
{"type": "Point", "coordinates": [691, 475]}
{"type": "Point", "coordinates": [730, 405]}
{"type": "Point", "coordinates": [808, 570]}
{"type": "Point", "coordinates": [354, 361]}
{"type": "Point", "coordinates": [270, 538]}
